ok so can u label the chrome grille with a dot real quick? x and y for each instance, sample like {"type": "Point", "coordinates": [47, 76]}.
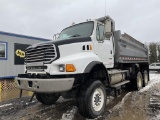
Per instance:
{"type": "Point", "coordinates": [41, 53]}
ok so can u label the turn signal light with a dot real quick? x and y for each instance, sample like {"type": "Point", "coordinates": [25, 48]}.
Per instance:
{"type": "Point", "coordinates": [70, 68]}
{"type": "Point", "coordinates": [90, 47]}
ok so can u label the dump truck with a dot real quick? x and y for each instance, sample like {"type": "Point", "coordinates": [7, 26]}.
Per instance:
{"type": "Point", "coordinates": [87, 61]}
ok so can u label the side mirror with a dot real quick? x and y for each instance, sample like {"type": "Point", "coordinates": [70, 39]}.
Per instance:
{"type": "Point", "coordinates": [108, 28]}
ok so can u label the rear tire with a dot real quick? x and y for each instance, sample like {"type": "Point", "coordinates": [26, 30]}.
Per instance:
{"type": "Point", "coordinates": [92, 100]}
{"type": "Point", "coordinates": [138, 82]}
{"type": "Point", "coordinates": [47, 99]}
{"type": "Point", "coordinates": [145, 78]}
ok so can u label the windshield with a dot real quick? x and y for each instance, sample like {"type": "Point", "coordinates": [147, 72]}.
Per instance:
{"type": "Point", "coordinates": [79, 30]}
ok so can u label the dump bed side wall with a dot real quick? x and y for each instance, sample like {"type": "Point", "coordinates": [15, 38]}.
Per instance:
{"type": "Point", "coordinates": [129, 50]}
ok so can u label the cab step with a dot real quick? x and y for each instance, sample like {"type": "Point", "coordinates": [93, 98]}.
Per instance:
{"type": "Point", "coordinates": [118, 87]}
{"type": "Point", "coordinates": [120, 84]}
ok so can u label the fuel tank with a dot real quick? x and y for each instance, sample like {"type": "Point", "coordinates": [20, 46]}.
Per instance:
{"type": "Point", "coordinates": [117, 76]}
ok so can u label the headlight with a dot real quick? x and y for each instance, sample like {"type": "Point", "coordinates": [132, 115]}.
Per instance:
{"type": "Point", "coordinates": [62, 68]}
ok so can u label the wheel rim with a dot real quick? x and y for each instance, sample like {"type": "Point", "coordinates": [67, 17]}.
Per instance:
{"type": "Point", "coordinates": [139, 80]}
{"type": "Point", "coordinates": [98, 99]}
{"type": "Point", "coordinates": [145, 78]}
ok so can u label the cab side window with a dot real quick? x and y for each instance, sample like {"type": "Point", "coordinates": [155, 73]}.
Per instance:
{"type": "Point", "coordinates": [100, 32]}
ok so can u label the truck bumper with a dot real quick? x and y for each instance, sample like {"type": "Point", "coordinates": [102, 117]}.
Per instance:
{"type": "Point", "coordinates": [45, 85]}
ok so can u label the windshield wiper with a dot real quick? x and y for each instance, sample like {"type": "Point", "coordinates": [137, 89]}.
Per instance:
{"type": "Point", "coordinates": [75, 35]}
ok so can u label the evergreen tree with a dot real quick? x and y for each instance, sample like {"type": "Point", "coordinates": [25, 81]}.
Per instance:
{"type": "Point", "coordinates": [153, 52]}
{"type": "Point", "coordinates": [158, 50]}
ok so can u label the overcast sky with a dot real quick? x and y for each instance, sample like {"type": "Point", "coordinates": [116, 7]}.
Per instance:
{"type": "Point", "coordinates": [43, 18]}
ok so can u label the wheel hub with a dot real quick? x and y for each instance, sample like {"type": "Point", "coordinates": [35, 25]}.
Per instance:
{"type": "Point", "coordinates": [139, 81]}
{"type": "Point", "coordinates": [97, 99]}
{"type": "Point", "coordinates": [146, 78]}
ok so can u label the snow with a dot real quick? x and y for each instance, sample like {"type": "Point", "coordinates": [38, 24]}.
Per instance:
{"type": "Point", "coordinates": [69, 115]}
{"type": "Point", "coordinates": [157, 117]}
{"type": "Point", "coordinates": [5, 105]}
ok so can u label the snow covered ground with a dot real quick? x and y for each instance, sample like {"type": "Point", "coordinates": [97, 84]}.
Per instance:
{"type": "Point", "coordinates": [154, 79]}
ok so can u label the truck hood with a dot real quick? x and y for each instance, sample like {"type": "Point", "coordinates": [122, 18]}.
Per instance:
{"type": "Point", "coordinates": [63, 41]}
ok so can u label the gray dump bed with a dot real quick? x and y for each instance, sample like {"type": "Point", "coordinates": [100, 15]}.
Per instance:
{"type": "Point", "coordinates": [129, 50]}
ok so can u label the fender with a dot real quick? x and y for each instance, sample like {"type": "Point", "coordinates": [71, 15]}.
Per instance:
{"type": "Point", "coordinates": [91, 65]}
{"type": "Point", "coordinates": [94, 63]}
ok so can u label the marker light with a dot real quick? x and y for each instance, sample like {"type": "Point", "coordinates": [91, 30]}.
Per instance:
{"type": "Point", "coordinates": [70, 68]}
{"type": "Point", "coordinates": [90, 47]}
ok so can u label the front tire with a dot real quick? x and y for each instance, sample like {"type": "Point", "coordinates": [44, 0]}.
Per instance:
{"type": "Point", "coordinates": [47, 99]}
{"type": "Point", "coordinates": [92, 100]}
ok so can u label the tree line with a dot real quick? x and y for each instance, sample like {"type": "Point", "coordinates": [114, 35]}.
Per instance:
{"type": "Point", "coordinates": [154, 52]}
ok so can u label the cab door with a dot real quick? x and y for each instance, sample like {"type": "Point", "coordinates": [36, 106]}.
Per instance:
{"type": "Point", "coordinates": [104, 47]}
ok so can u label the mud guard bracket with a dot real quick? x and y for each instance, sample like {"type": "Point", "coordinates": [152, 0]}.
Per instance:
{"type": "Point", "coordinates": [32, 97]}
